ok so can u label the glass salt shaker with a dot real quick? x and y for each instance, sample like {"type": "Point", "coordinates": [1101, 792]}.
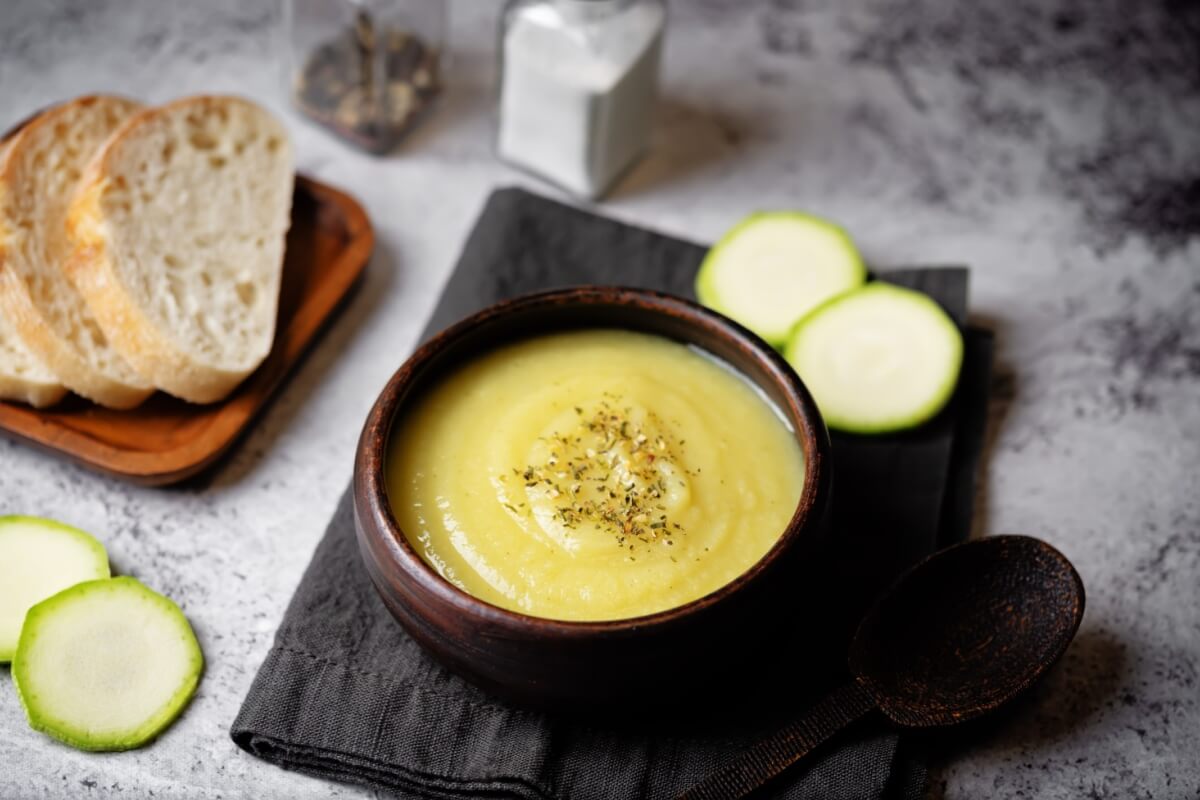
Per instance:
{"type": "Point", "coordinates": [578, 80]}
{"type": "Point", "coordinates": [365, 69]}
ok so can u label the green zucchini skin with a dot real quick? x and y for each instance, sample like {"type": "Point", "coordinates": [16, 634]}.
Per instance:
{"type": "Point", "coordinates": [18, 552]}
{"type": "Point", "coordinates": [32, 662]}
{"type": "Point", "coordinates": [837, 254]}
{"type": "Point", "coordinates": [920, 333]}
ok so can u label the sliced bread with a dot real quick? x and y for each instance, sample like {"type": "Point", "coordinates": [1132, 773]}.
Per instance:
{"type": "Point", "coordinates": [22, 376]}
{"type": "Point", "coordinates": [38, 175]}
{"type": "Point", "coordinates": [179, 229]}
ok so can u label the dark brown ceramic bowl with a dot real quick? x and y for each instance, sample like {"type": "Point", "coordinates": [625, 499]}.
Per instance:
{"type": "Point", "coordinates": [560, 664]}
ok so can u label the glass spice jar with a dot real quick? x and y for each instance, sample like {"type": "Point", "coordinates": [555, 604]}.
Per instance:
{"type": "Point", "coordinates": [365, 69]}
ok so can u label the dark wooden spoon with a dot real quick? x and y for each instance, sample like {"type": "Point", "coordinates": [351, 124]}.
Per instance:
{"type": "Point", "coordinates": [958, 635]}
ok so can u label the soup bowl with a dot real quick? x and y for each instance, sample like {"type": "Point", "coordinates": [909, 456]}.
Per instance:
{"type": "Point", "coordinates": [589, 665]}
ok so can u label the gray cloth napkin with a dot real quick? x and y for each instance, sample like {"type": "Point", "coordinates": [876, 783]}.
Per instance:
{"type": "Point", "coordinates": [346, 695]}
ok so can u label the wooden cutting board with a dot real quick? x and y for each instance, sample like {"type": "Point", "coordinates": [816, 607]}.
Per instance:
{"type": "Point", "coordinates": [165, 439]}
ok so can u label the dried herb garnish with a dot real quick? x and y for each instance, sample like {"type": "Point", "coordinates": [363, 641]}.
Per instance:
{"type": "Point", "coordinates": [606, 471]}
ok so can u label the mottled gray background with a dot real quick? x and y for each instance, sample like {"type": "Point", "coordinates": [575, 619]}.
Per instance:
{"type": "Point", "coordinates": [1053, 146]}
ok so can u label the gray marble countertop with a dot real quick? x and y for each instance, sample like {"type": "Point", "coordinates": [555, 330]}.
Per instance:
{"type": "Point", "coordinates": [1052, 146]}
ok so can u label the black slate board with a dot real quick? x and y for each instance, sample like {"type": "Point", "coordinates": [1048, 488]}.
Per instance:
{"type": "Point", "coordinates": [345, 694]}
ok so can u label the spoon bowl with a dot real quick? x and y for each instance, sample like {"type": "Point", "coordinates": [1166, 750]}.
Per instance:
{"type": "Point", "coordinates": [961, 633]}
{"type": "Point", "coordinates": [967, 629]}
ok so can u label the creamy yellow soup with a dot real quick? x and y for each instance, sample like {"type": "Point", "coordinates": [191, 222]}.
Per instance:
{"type": "Point", "coordinates": [591, 475]}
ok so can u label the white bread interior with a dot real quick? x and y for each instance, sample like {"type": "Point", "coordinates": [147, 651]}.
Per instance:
{"type": "Point", "coordinates": [178, 228]}
{"type": "Point", "coordinates": [22, 376]}
{"type": "Point", "coordinates": [38, 175]}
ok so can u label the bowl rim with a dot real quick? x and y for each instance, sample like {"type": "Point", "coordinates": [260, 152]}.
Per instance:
{"type": "Point", "coordinates": [369, 483]}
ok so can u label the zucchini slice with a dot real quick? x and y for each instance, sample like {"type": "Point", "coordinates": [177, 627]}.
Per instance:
{"type": "Point", "coordinates": [105, 665]}
{"type": "Point", "coordinates": [879, 359]}
{"type": "Point", "coordinates": [39, 558]}
{"type": "Point", "coordinates": [774, 267]}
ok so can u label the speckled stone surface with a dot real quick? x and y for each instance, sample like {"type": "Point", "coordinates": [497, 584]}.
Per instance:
{"type": "Point", "coordinates": [1052, 146]}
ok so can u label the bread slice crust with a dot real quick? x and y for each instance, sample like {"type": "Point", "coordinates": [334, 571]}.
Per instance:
{"type": "Point", "coordinates": [22, 376]}
{"type": "Point", "coordinates": [117, 278]}
{"type": "Point", "coordinates": [40, 304]}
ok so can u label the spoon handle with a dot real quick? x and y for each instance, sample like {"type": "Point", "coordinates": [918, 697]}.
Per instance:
{"type": "Point", "coordinates": [769, 757]}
